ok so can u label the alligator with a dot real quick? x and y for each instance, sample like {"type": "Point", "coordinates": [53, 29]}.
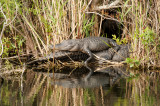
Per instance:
{"type": "Point", "coordinates": [87, 77]}
{"type": "Point", "coordinates": [118, 54]}
{"type": "Point", "coordinates": [123, 53]}
{"type": "Point", "coordinates": [86, 45]}
{"type": "Point", "coordinates": [63, 56]}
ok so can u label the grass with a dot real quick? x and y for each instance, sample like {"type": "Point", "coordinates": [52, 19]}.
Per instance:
{"type": "Point", "coordinates": [37, 24]}
{"type": "Point", "coordinates": [144, 33]}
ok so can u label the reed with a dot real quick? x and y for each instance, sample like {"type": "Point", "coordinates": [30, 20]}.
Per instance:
{"type": "Point", "coordinates": [41, 23]}
{"type": "Point", "coordinates": [143, 21]}
{"type": "Point", "coordinates": [56, 20]}
{"type": "Point", "coordinates": [143, 89]}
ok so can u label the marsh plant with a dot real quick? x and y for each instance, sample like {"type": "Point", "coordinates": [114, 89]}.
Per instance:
{"type": "Point", "coordinates": [144, 30]}
{"type": "Point", "coordinates": [30, 26]}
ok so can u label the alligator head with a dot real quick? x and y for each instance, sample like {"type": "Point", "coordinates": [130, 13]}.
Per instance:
{"type": "Point", "coordinates": [68, 45]}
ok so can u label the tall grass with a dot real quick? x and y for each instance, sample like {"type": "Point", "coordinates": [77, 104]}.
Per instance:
{"type": "Point", "coordinates": [41, 23]}
{"type": "Point", "coordinates": [48, 22]}
{"type": "Point", "coordinates": [143, 89]}
{"type": "Point", "coordinates": [143, 19]}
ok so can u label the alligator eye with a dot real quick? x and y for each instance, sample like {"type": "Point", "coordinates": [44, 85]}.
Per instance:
{"type": "Point", "coordinates": [113, 44]}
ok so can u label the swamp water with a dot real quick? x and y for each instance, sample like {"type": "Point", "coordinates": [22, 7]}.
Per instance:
{"type": "Point", "coordinates": [82, 86]}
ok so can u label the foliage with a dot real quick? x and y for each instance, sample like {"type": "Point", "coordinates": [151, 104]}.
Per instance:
{"type": "Point", "coordinates": [13, 46]}
{"type": "Point", "coordinates": [147, 37]}
{"type": "Point", "coordinates": [37, 24]}
{"type": "Point", "coordinates": [143, 33]}
{"type": "Point", "coordinates": [120, 41]}
{"type": "Point", "coordinates": [87, 25]}
{"type": "Point", "coordinates": [132, 62]}
{"type": "Point", "coordinates": [10, 42]}
{"type": "Point", "coordinates": [9, 8]}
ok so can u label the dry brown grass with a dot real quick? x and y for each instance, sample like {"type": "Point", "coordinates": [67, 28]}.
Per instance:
{"type": "Point", "coordinates": [42, 23]}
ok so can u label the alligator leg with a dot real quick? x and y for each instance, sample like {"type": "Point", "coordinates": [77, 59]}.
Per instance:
{"type": "Point", "coordinates": [75, 48]}
{"type": "Point", "coordinates": [86, 50]}
{"type": "Point", "coordinates": [89, 74]}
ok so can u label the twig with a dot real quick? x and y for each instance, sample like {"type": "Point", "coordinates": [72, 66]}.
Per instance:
{"type": "Point", "coordinates": [110, 6]}
{"type": "Point", "coordinates": [108, 61]}
{"type": "Point", "coordinates": [106, 7]}
{"type": "Point", "coordinates": [102, 16]}
{"type": "Point", "coordinates": [5, 24]}
{"type": "Point", "coordinates": [13, 57]}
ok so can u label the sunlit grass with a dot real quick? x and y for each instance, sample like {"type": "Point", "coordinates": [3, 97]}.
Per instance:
{"type": "Point", "coordinates": [41, 23]}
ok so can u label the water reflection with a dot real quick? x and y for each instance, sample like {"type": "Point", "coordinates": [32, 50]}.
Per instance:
{"type": "Point", "coordinates": [86, 77]}
{"type": "Point", "coordinates": [81, 86]}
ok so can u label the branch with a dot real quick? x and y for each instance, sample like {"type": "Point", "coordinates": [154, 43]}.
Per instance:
{"type": "Point", "coordinates": [102, 16]}
{"type": "Point", "coordinates": [108, 61]}
{"type": "Point", "coordinates": [106, 7]}
{"type": "Point", "coordinates": [5, 24]}
{"type": "Point", "coordinates": [110, 6]}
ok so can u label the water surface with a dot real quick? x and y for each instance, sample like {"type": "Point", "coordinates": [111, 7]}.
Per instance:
{"type": "Point", "coordinates": [81, 86]}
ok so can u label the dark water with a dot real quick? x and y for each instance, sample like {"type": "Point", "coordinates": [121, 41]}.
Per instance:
{"type": "Point", "coordinates": [83, 86]}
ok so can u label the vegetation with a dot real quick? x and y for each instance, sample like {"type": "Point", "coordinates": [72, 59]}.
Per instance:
{"type": "Point", "coordinates": [30, 26]}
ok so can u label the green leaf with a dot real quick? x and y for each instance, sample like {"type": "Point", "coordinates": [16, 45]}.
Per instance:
{"type": "Point", "coordinates": [128, 60]}
{"type": "Point", "coordinates": [131, 65]}
{"type": "Point", "coordinates": [136, 62]}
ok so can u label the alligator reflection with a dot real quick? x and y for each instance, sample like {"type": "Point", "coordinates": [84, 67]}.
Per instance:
{"type": "Point", "coordinates": [83, 86]}
{"type": "Point", "coordinates": [87, 77]}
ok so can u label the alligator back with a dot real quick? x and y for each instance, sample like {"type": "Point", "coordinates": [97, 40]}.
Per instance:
{"type": "Point", "coordinates": [98, 43]}
{"type": "Point", "coordinates": [123, 53]}
{"type": "Point", "coordinates": [107, 54]}
{"type": "Point", "coordinates": [89, 43]}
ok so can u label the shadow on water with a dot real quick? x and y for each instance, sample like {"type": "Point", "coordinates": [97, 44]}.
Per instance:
{"type": "Point", "coordinates": [85, 77]}
{"type": "Point", "coordinates": [83, 86]}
